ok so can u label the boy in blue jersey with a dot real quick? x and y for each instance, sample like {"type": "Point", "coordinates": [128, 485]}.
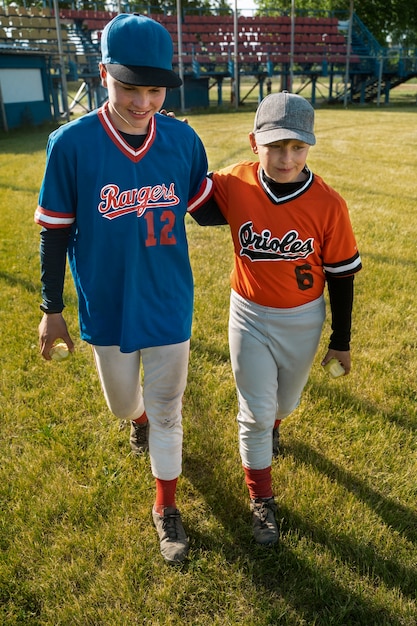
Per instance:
{"type": "Point", "coordinates": [117, 185]}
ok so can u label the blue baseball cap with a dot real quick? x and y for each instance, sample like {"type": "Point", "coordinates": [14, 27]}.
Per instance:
{"type": "Point", "coordinates": [138, 51]}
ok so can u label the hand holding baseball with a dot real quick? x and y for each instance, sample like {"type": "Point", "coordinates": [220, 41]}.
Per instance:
{"type": "Point", "coordinates": [59, 352]}
{"type": "Point", "coordinates": [52, 329]}
{"type": "Point", "coordinates": [337, 360]}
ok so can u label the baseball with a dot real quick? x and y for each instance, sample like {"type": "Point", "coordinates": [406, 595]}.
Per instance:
{"type": "Point", "coordinates": [335, 368]}
{"type": "Point", "coordinates": [59, 352]}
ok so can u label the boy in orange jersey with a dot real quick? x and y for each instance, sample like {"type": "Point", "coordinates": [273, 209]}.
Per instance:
{"type": "Point", "coordinates": [291, 235]}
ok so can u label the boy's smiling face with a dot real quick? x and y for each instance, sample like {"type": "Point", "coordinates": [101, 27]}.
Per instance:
{"type": "Point", "coordinates": [131, 107]}
{"type": "Point", "coordinates": [284, 160]}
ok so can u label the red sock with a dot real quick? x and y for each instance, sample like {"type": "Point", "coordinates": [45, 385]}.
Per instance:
{"type": "Point", "coordinates": [142, 419]}
{"type": "Point", "coordinates": [277, 423]}
{"type": "Point", "coordinates": [165, 494]}
{"type": "Point", "coordinates": [259, 482]}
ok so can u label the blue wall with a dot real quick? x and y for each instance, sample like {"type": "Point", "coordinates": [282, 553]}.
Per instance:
{"type": "Point", "coordinates": [27, 113]}
{"type": "Point", "coordinates": [195, 94]}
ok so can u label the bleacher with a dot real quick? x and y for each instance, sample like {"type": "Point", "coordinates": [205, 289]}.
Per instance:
{"type": "Point", "coordinates": [21, 27]}
{"type": "Point", "coordinates": [267, 46]}
{"type": "Point", "coordinates": [34, 30]}
{"type": "Point", "coordinates": [264, 43]}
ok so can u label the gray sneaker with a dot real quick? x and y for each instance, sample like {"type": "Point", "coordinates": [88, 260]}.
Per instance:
{"type": "Point", "coordinates": [275, 442]}
{"type": "Point", "coordinates": [172, 538]}
{"type": "Point", "coordinates": [265, 529]}
{"type": "Point", "coordinates": [139, 437]}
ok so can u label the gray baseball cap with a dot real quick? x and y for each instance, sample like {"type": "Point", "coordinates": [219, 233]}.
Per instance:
{"type": "Point", "coordinates": [284, 116]}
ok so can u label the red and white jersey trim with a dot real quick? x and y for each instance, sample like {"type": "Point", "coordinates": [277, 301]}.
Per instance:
{"type": "Point", "coordinates": [205, 192]}
{"type": "Point", "coordinates": [50, 219]}
{"type": "Point", "coordinates": [116, 137]}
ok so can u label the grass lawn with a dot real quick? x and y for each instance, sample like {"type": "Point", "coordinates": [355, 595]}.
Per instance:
{"type": "Point", "coordinates": [78, 547]}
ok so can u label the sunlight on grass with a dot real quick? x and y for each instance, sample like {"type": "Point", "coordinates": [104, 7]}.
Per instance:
{"type": "Point", "coordinates": [78, 545]}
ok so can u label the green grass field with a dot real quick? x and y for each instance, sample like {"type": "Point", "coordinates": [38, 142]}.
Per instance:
{"type": "Point", "coordinates": [77, 543]}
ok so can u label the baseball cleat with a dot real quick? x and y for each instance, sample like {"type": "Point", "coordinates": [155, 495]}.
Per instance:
{"type": "Point", "coordinates": [265, 529]}
{"type": "Point", "coordinates": [173, 540]}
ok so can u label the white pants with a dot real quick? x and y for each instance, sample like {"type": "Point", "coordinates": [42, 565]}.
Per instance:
{"type": "Point", "coordinates": [271, 351]}
{"type": "Point", "coordinates": [165, 371]}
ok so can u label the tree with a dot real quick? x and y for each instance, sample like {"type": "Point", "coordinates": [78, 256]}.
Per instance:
{"type": "Point", "coordinates": [392, 21]}
{"type": "Point", "coordinates": [169, 7]}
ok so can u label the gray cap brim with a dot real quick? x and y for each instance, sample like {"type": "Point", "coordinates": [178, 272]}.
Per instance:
{"type": "Point", "coordinates": [280, 134]}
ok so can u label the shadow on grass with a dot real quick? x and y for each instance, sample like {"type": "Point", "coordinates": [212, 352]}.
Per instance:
{"type": "Point", "coordinates": [392, 513]}
{"type": "Point", "coordinates": [339, 397]}
{"type": "Point", "coordinates": [391, 262]}
{"type": "Point", "coordinates": [33, 287]}
{"type": "Point", "coordinates": [27, 140]}
{"type": "Point", "coordinates": [312, 592]}
{"type": "Point", "coordinates": [283, 573]}
{"type": "Point", "coordinates": [15, 281]}
{"type": "Point", "coordinates": [214, 353]}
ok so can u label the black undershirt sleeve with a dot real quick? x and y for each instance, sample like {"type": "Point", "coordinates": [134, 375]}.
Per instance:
{"type": "Point", "coordinates": [209, 214]}
{"type": "Point", "coordinates": [341, 303]}
{"type": "Point", "coordinates": [53, 255]}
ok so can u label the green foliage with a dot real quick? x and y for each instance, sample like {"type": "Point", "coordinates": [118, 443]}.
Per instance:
{"type": "Point", "coordinates": [392, 20]}
{"type": "Point", "coordinates": [202, 7]}
{"type": "Point", "coordinates": [77, 545]}
{"type": "Point", "coordinates": [309, 7]}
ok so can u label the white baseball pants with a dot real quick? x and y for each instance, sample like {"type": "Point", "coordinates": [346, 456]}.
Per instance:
{"type": "Point", "coordinates": [271, 351]}
{"type": "Point", "coordinates": [165, 370]}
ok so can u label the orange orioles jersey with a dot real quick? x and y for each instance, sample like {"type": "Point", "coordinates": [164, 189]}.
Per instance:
{"type": "Point", "coordinates": [284, 246]}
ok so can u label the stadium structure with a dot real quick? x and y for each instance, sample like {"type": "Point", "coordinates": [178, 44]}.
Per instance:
{"type": "Point", "coordinates": [210, 49]}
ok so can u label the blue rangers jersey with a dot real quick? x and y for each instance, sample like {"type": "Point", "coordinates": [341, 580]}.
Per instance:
{"type": "Point", "coordinates": [128, 250]}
